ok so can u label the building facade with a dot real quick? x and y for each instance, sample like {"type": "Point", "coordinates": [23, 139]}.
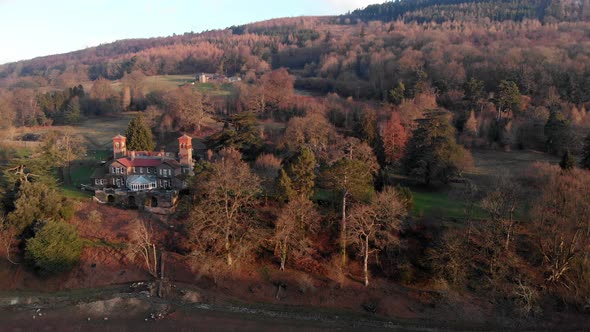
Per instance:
{"type": "Point", "coordinates": [143, 178]}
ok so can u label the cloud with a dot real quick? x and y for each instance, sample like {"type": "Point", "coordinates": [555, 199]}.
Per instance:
{"type": "Point", "coordinates": [346, 5]}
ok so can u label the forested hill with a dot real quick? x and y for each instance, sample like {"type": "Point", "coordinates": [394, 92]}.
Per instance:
{"type": "Point", "coordinates": [541, 45]}
{"type": "Point", "coordinates": [471, 10]}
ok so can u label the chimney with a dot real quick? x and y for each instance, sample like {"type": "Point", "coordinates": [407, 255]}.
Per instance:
{"type": "Point", "coordinates": [132, 154]}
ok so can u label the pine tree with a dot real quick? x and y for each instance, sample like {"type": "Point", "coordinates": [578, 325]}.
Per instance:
{"type": "Point", "coordinates": [139, 135]}
{"type": "Point", "coordinates": [302, 172]}
{"type": "Point", "coordinates": [567, 162]}
{"type": "Point", "coordinates": [284, 187]}
{"type": "Point", "coordinates": [557, 131]}
{"type": "Point", "coordinates": [433, 153]}
{"type": "Point", "coordinates": [508, 97]}
{"type": "Point", "coordinates": [72, 111]}
{"type": "Point", "coordinates": [396, 95]}
{"type": "Point", "coordinates": [585, 163]}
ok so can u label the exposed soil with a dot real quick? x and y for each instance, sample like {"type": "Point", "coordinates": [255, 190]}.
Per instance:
{"type": "Point", "coordinates": [253, 297]}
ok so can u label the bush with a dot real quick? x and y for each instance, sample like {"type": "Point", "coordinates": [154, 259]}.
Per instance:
{"type": "Point", "coordinates": [55, 248]}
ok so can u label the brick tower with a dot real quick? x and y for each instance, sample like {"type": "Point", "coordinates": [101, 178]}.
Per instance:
{"type": "Point", "coordinates": [119, 147]}
{"type": "Point", "coordinates": [185, 152]}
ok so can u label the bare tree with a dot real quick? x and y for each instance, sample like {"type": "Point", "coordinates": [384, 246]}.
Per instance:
{"type": "Point", "coordinates": [61, 149]}
{"type": "Point", "coordinates": [188, 107]}
{"type": "Point", "coordinates": [222, 223]}
{"type": "Point", "coordinates": [142, 243]}
{"type": "Point", "coordinates": [501, 203]}
{"type": "Point", "coordinates": [374, 227]}
{"type": "Point", "coordinates": [296, 222]}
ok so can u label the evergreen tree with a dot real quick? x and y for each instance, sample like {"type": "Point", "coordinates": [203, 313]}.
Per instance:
{"type": "Point", "coordinates": [241, 132]}
{"type": "Point", "coordinates": [585, 163]}
{"type": "Point", "coordinates": [557, 131]}
{"type": "Point", "coordinates": [284, 186]}
{"type": "Point", "coordinates": [55, 248]}
{"type": "Point", "coordinates": [567, 162]}
{"type": "Point", "coordinates": [72, 111]}
{"type": "Point", "coordinates": [507, 97]}
{"type": "Point", "coordinates": [297, 177]}
{"type": "Point", "coordinates": [433, 153]}
{"type": "Point", "coordinates": [396, 95]}
{"type": "Point", "coordinates": [139, 135]}
{"type": "Point", "coordinates": [474, 92]}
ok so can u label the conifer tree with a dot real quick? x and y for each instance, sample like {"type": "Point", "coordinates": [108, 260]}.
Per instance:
{"type": "Point", "coordinates": [433, 153]}
{"type": "Point", "coordinates": [567, 162]}
{"type": "Point", "coordinates": [297, 177]}
{"type": "Point", "coordinates": [139, 135]}
{"type": "Point", "coordinates": [284, 186]}
{"type": "Point", "coordinates": [557, 131]}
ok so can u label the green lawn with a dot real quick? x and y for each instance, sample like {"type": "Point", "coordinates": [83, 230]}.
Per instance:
{"type": "Point", "coordinates": [437, 204]}
{"type": "Point", "coordinates": [80, 174]}
{"type": "Point", "coordinates": [441, 204]}
{"type": "Point", "coordinates": [73, 192]}
{"type": "Point", "coordinates": [98, 155]}
{"type": "Point", "coordinates": [223, 89]}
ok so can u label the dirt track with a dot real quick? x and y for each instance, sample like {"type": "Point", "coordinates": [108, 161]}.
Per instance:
{"type": "Point", "coordinates": [111, 310]}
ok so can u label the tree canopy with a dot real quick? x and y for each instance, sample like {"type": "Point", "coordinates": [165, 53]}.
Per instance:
{"type": "Point", "coordinates": [55, 248]}
{"type": "Point", "coordinates": [433, 153]}
{"type": "Point", "coordinates": [139, 135]}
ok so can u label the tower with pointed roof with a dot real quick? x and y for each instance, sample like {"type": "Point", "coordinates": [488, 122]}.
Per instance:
{"type": "Point", "coordinates": [119, 146]}
{"type": "Point", "coordinates": [185, 152]}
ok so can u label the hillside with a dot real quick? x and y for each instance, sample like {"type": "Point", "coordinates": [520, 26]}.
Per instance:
{"type": "Point", "coordinates": [417, 161]}
{"type": "Point", "coordinates": [445, 43]}
{"type": "Point", "coordinates": [547, 11]}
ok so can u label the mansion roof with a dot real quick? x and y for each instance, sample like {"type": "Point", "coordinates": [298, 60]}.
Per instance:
{"type": "Point", "coordinates": [147, 162]}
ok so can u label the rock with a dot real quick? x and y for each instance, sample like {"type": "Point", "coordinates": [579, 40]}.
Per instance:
{"type": "Point", "coordinates": [191, 297]}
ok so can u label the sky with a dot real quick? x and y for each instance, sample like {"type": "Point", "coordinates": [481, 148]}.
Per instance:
{"type": "Point", "coordinates": [32, 28]}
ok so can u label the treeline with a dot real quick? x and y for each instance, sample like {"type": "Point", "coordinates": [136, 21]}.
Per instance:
{"type": "Point", "coordinates": [365, 60]}
{"type": "Point", "coordinates": [422, 11]}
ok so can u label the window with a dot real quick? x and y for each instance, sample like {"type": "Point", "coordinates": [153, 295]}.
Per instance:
{"type": "Point", "coordinates": [141, 170]}
{"type": "Point", "coordinates": [134, 169]}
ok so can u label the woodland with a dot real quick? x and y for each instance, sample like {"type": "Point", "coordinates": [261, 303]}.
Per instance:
{"type": "Point", "coordinates": [380, 147]}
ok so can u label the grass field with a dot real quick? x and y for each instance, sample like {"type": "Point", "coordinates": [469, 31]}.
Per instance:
{"type": "Point", "coordinates": [166, 82]}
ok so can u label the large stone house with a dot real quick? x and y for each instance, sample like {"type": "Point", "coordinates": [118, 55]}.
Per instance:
{"type": "Point", "coordinates": [150, 179]}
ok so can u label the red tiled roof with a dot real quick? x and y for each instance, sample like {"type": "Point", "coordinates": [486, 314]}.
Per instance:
{"type": "Point", "coordinates": [140, 162]}
{"type": "Point", "coordinates": [185, 137]}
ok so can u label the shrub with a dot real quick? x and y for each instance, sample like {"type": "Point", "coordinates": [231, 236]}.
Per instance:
{"type": "Point", "coordinates": [55, 248]}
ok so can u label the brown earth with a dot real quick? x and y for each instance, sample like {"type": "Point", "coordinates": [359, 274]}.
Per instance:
{"type": "Point", "coordinates": [106, 262]}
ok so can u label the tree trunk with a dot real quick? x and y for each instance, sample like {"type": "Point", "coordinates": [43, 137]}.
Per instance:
{"type": "Point", "coordinates": [228, 249]}
{"type": "Point", "coordinates": [508, 234]}
{"type": "Point", "coordinates": [283, 255]}
{"type": "Point", "coordinates": [343, 230]}
{"type": "Point", "coordinates": [366, 261]}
